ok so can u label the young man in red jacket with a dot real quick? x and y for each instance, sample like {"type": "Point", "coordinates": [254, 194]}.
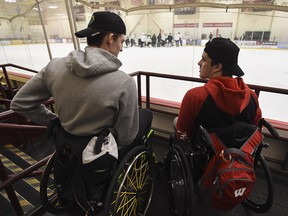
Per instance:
{"type": "Point", "coordinates": [224, 99]}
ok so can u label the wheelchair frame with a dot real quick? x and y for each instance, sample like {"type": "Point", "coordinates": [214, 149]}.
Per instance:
{"type": "Point", "coordinates": [181, 180]}
{"type": "Point", "coordinates": [129, 192]}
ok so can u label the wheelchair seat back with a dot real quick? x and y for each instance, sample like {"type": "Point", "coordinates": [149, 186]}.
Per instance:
{"type": "Point", "coordinates": [75, 181]}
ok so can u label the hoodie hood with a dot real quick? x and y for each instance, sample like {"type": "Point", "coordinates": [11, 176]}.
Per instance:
{"type": "Point", "coordinates": [92, 62]}
{"type": "Point", "coordinates": [231, 95]}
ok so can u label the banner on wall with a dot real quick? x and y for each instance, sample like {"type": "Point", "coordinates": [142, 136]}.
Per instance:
{"type": "Point", "coordinates": [137, 2]}
{"type": "Point", "coordinates": [116, 3]}
{"type": "Point", "coordinates": [282, 45]}
{"type": "Point", "coordinates": [186, 25]}
{"type": "Point", "coordinates": [159, 2]}
{"type": "Point", "coordinates": [79, 13]}
{"type": "Point", "coordinates": [184, 10]}
{"type": "Point", "coordinates": [253, 9]}
{"type": "Point", "coordinates": [95, 5]}
{"type": "Point", "coordinates": [213, 25]}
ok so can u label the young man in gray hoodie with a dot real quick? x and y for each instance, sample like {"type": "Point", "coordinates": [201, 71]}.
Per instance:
{"type": "Point", "coordinates": [89, 90]}
{"type": "Point", "coordinates": [91, 95]}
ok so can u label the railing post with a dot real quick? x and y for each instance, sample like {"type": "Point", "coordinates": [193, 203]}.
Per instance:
{"type": "Point", "coordinates": [44, 29]}
{"type": "Point", "coordinates": [10, 88]}
{"type": "Point", "coordinates": [147, 91]}
{"type": "Point", "coordinates": [139, 90]}
{"type": "Point", "coordinates": [10, 191]}
{"type": "Point", "coordinates": [257, 92]}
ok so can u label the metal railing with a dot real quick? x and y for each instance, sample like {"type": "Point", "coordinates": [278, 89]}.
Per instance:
{"type": "Point", "coordinates": [148, 75]}
{"type": "Point", "coordinates": [17, 127]}
{"type": "Point", "coordinates": [8, 180]}
{"type": "Point", "coordinates": [10, 92]}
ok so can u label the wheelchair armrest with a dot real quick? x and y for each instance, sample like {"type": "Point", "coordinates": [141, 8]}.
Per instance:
{"type": "Point", "coordinates": [205, 136]}
{"type": "Point", "coordinates": [185, 145]}
{"type": "Point", "coordinates": [173, 139]}
{"type": "Point", "coordinates": [269, 127]}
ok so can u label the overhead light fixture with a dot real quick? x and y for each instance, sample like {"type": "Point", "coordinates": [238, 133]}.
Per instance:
{"type": "Point", "coordinates": [36, 8]}
{"type": "Point", "coordinates": [10, 1]}
{"type": "Point", "coordinates": [52, 6]}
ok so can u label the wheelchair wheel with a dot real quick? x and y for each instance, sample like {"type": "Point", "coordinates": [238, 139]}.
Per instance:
{"type": "Point", "coordinates": [261, 198]}
{"type": "Point", "coordinates": [48, 193]}
{"type": "Point", "coordinates": [131, 188]}
{"type": "Point", "coordinates": [180, 182]}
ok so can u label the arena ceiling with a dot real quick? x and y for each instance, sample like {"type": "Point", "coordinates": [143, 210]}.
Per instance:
{"type": "Point", "coordinates": [12, 9]}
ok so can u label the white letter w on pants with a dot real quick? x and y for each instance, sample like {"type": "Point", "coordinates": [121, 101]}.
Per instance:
{"type": "Point", "coordinates": [239, 192]}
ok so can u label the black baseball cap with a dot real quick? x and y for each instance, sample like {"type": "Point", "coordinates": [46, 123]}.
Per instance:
{"type": "Point", "coordinates": [103, 21]}
{"type": "Point", "coordinates": [226, 52]}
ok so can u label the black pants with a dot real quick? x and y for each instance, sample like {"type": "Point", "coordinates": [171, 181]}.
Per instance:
{"type": "Point", "coordinates": [145, 121]}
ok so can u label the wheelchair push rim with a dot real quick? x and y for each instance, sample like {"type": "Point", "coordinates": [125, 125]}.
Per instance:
{"type": "Point", "coordinates": [48, 193]}
{"type": "Point", "coordinates": [261, 198]}
{"type": "Point", "coordinates": [180, 182]}
{"type": "Point", "coordinates": [130, 191]}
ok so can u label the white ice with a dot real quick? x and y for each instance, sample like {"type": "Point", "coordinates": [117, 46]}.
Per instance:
{"type": "Point", "coordinates": [268, 67]}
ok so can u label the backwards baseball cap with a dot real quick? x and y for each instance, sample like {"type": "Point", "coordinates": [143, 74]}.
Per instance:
{"type": "Point", "coordinates": [226, 52]}
{"type": "Point", "coordinates": [103, 21]}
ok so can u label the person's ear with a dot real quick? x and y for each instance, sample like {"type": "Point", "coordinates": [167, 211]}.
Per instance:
{"type": "Point", "coordinates": [219, 67]}
{"type": "Point", "coordinates": [110, 38]}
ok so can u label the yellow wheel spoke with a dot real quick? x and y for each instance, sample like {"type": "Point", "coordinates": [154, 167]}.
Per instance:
{"type": "Point", "coordinates": [127, 202]}
{"type": "Point", "coordinates": [132, 188]}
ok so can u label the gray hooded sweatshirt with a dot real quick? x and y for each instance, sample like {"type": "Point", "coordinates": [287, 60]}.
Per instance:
{"type": "Point", "coordinates": [90, 94]}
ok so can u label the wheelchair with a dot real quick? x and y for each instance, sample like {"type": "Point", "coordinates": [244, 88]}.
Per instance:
{"type": "Point", "coordinates": [183, 173]}
{"type": "Point", "coordinates": [128, 191]}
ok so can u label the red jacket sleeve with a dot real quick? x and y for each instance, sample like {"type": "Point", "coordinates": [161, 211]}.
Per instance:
{"type": "Point", "coordinates": [190, 107]}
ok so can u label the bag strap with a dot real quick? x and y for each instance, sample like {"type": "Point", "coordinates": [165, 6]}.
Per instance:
{"type": "Point", "coordinates": [248, 147]}
{"type": "Point", "coordinates": [239, 154]}
{"type": "Point", "coordinates": [217, 143]}
{"type": "Point", "coordinates": [236, 151]}
{"type": "Point", "coordinates": [253, 142]}
{"type": "Point", "coordinates": [100, 139]}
